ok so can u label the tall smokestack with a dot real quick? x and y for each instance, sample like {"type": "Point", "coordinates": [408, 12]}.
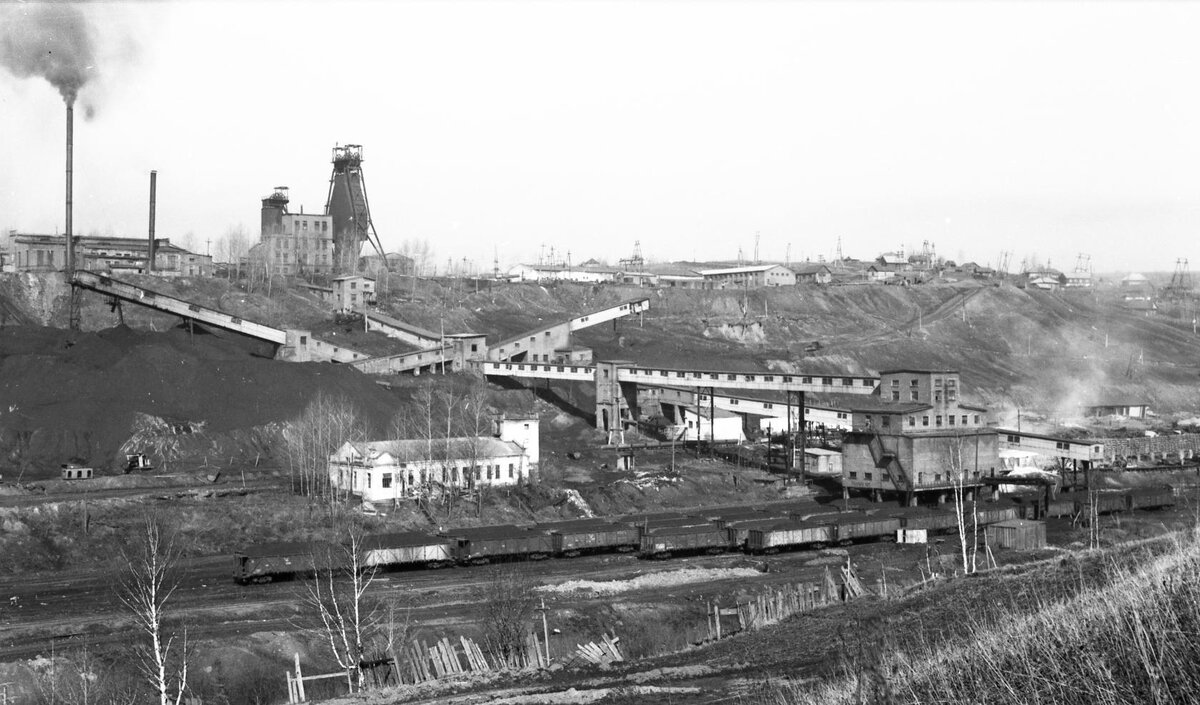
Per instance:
{"type": "Point", "coordinates": [70, 147]}
{"type": "Point", "coordinates": [150, 245]}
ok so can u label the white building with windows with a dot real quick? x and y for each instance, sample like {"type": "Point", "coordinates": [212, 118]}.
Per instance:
{"type": "Point", "coordinates": [353, 291]}
{"type": "Point", "coordinates": [391, 470]}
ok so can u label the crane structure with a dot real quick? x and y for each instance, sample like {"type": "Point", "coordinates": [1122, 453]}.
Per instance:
{"type": "Point", "coordinates": [1180, 287]}
{"type": "Point", "coordinates": [348, 206]}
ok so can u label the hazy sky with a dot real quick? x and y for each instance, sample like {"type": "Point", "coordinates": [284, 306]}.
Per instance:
{"type": "Point", "coordinates": [1045, 129]}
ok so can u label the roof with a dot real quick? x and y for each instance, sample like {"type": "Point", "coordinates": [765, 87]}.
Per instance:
{"type": "Point", "coordinates": [821, 451]}
{"type": "Point", "coordinates": [881, 406]}
{"type": "Point", "coordinates": [919, 370]}
{"type": "Point", "coordinates": [809, 268]}
{"type": "Point", "coordinates": [740, 270]}
{"type": "Point", "coordinates": [442, 449]}
{"type": "Point", "coordinates": [1135, 278]}
{"type": "Point", "coordinates": [1113, 402]}
{"type": "Point", "coordinates": [346, 277]}
{"type": "Point", "coordinates": [497, 531]}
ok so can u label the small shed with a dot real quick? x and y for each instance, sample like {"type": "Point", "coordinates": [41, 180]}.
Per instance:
{"type": "Point", "coordinates": [76, 472]}
{"type": "Point", "coordinates": [1018, 534]}
{"type": "Point", "coordinates": [819, 462]}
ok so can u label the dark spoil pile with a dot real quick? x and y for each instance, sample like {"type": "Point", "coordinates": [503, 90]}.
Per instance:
{"type": "Point", "coordinates": [70, 396]}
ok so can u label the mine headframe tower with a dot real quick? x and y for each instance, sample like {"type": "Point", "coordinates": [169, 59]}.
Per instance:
{"type": "Point", "coordinates": [1180, 288]}
{"type": "Point", "coordinates": [347, 205]}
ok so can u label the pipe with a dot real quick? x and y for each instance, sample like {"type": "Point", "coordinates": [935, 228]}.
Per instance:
{"type": "Point", "coordinates": [70, 147]}
{"type": "Point", "coordinates": [150, 245]}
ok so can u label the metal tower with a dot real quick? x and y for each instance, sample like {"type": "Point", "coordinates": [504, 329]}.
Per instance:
{"type": "Point", "coordinates": [347, 204]}
{"type": "Point", "coordinates": [1180, 287]}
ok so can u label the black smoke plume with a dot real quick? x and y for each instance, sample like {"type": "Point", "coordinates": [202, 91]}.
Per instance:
{"type": "Point", "coordinates": [53, 41]}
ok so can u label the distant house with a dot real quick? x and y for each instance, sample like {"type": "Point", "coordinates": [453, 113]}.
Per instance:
{"type": "Point", "coordinates": [976, 270]}
{"type": "Point", "coordinates": [1116, 407]}
{"type": "Point", "coordinates": [547, 272]}
{"type": "Point", "coordinates": [753, 276]}
{"type": "Point", "coordinates": [1043, 282]}
{"type": "Point", "coordinates": [880, 272]}
{"type": "Point", "coordinates": [812, 273]}
{"type": "Point", "coordinates": [1137, 287]}
{"type": "Point", "coordinates": [895, 260]}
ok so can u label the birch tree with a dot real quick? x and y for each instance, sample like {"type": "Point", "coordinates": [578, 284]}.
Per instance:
{"type": "Point", "coordinates": [146, 588]}
{"type": "Point", "coordinates": [957, 470]}
{"type": "Point", "coordinates": [347, 621]}
{"type": "Point", "coordinates": [310, 439]}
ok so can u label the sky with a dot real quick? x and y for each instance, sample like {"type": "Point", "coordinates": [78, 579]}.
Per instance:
{"type": "Point", "coordinates": [1043, 129]}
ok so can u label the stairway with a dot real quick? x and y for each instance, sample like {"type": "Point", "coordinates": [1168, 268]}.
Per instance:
{"type": "Point", "coordinates": [886, 460]}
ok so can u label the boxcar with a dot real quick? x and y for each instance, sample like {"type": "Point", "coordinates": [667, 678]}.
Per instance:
{"type": "Point", "coordinates": [1152, 498]}
{"type": "Point", "coordinates": [407, 550]}
{"type": "Point", "coordinates": [932, 520]}
{"type": "Point", "coordinates": [662, 542]}
{"type": "Point", "coordinates": [1106, 502]}
{"type": "Point", "coordinates": [851, 526]}
{"type": "Point", "coordinates": [572, 537]}
{"type": "Point", "coordinates": [786, 535]}
{"type": "Point", "coordinates": [262, 563]}
{"type": "Point", "coordinates": [739, 531]}
{"type": "Point", "coordinates": [484, 544]}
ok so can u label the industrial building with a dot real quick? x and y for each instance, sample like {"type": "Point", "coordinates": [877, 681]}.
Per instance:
{"type": "Point", "coordinates": [292, 243]}
{"type": "Point", "coordinates": [917, 435]}
{"type": "Point", "coordinates": [390, 470]}
{"type": "Point", "coordinates": [752, 277]}
{"type": "Point", "coordinates": [26, 252]}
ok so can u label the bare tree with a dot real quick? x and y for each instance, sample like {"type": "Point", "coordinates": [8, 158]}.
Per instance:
{"type": "Point", "coordinates": [956, 468]}
{"type": "Point", "coordinates": [347, 620]}
{"type": "Point", "coordinates": [508, 614]}
{"type": "Point", "coordinates": [146, 589]}
{"type": "Point", "coordinates": [326, 424]}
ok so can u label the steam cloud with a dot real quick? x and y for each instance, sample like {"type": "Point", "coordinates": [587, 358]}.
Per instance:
{"type": "Point", "coordinates": [53, 41]}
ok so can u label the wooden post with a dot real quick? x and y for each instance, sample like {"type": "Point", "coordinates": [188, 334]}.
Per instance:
{"type": "Point", "coordinates": [299, 679]}
{"type": "Point", "coordinates": [545, 631]}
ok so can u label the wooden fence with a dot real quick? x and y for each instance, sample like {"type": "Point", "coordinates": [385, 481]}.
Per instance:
{"type": "Point", "coordinates": [776, 605]}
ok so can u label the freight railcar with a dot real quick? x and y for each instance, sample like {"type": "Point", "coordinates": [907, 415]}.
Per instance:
{"type": "Point", "coordinates": [665, 541]}
{"type": "Point", "coordinates": [483, 544]}
{"type": "Point", "coordinates": [574, 537]}
{"type": "Point", "coordinates": [1152, 498]}
{"type": "Point", "coordinates": [408, 549]}
{"type": "Point", "coordinates": [932, 520]}
{"type": "Point", "coordinates": [739, 531]}
{"type": "Point", "coordinates": [264, 562]}
{"type": "Point", "coordinates": [789, 535]}
{"type": "Point", "coordinates": [1112, 502]}
{"type": "Point", "coordinates": [852, 527]}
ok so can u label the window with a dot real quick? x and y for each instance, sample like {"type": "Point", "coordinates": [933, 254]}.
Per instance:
{"type": "Point", "coordinates": [895, 395]}
{"type": "Point", "coordinates": [950, 419]}
{"type": "Point", "coordinates": [1013, 439]}
{"type": "Point", "coordinates": [924, 420]}
{"type": "Point", "coordinates": [454, 474]}
{"type": "Point", "coordinates": [510, 470]}
{"type": "Point", "coordinates": [976, 419]}
{"type": "Point", "coordinates": [886, 420]}
{"type": "Point", "coordinates": [912, 382]}
{"type": "Point", "coordinates": [964, 419]}
{"type": "Point", "coordinates": [937, 477]}
{"type": "Point", "coordinates": [489, 472]}
{"type": "Point", "coordinates": [937, 382]}
{"type": "Point", "coordinates": [895, 383]}
{"type": "Point", "coordinates": [938, 420]}
{"type": "Point", "coordinates": [867, 476]}
{"type": "Point", "coordinates": [443, 475]}
{"type": "Point", "coordinates": [474, 347]}
{"type": "Point", "coordinates": [914, 395]}
{"type": "Point", "coordinates": [768, 405]}
{"type": "Point", "coordinates": [385, 480]}
{"type": "Point", "coordinates": [733, 402]}
{"type": "Point", "coordinates": [912, 421]}
{"type": "Point", "coordinates": [847, 382]}
{"type": "Point", "coordinates": [368, 480]}
{"type": "Point", "coordinates": [853, 475]}
{"type": "Point", "coordinates": [937, 397]}
{"type": "Point", "coordinates": [353, 285]}
{"type": "Point", "coordinates": [827, 380]}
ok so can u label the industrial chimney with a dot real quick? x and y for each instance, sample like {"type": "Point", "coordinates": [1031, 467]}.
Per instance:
{"type": "Point", "coordinates": [70, 240]}
{"type": "Point", "coordinates": [150, 244]}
